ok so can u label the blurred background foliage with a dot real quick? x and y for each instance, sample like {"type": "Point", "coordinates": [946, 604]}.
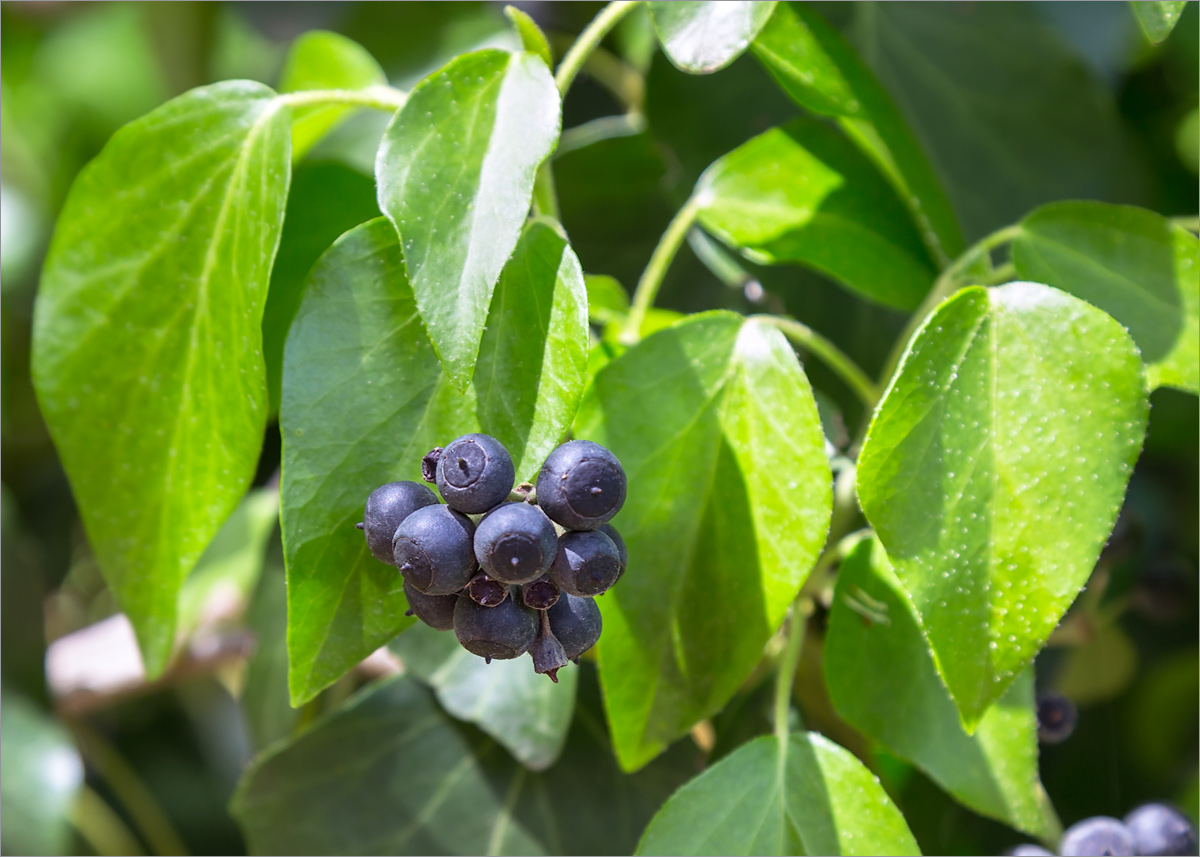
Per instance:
{"type": "Point", "coordinates": [1017, 104]}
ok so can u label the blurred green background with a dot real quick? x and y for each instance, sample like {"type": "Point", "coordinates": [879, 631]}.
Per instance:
{"type": "Point", "coordinates": [1017, 104]}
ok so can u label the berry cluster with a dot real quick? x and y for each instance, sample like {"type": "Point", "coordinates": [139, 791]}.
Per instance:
{"type": "Point", "coordinates": [509, 570]}
{"type": "Point", "coordinates": [1153, 828]}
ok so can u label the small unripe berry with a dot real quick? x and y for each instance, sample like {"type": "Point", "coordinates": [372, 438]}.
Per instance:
{"type": "Point", "coordinates": [432, 549]}
{"type": "Point", "coordinates": [581, 485]}
{"type": "Point", "coordinates": [1056, 717]}
{"type": "Point", "coordinates": [475, 473]}
{"type": "Point", "coordinates": [387, 507]}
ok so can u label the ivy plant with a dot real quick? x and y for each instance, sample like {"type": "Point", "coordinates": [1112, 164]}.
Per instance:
{"type": "Point", "coordinates": [931, 534]}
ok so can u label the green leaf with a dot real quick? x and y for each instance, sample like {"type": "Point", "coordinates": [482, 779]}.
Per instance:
{"type": "Point", "coordinates": [323, 60]}
{"type": "Point", "coordinates": [1100, 668]}
{"type": "Point", "coordinates": [1133, 264]}
{"type": "Point", "coordinates": [801, 193]}
{"type": "Point", "coordinates": [813, 64]}
{"type": "Point", "coordinates": [1055, 133]}
{"type": "Point", "coordinates": [715, 424]}
{"type": "Point", "coordinates": [993, 471]}
{"type": "Point", "coordinates": [607, 299]}
{"type": "Point", "coordinates": [40, 779]}
{"type": "Point", "coordinates": [527, 713]}
{"type": "Point", "coordinates": [455, 175]}
{"type": "Point", "coordinates": [702, 37]}
{"type": "Point", "coordinates": [364, 397]}
{"type": "Point", "coordinates": [532, 38]}
{"type": "Point", "coordinates": [390, 773]}
{"type": "Point", "coordinates": [229, 568]}
{"type": "Point", "coordinates": [883, 680]}
{"type": "Point", "coordinates": [1157, 18]}
{"type": "Point", "coordinates": [805, 795]}
{"type": "Point", "coordinates": [147, 349]}
{"type": "Point", "coordinates": [265, 702]}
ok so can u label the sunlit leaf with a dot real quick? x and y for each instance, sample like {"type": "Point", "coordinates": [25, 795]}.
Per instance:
{"type": "Point", "coordinates": [702, 37]}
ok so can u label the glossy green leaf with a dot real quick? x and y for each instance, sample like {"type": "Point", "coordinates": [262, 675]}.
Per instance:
{"type": "Point", "coordinates": [41, 776]}
{"type": "Point", "coordinates": [805, 795]}
{"type": "Point", "coordinates": [527, 713]}
{"type": "Point", "coordinates": [998, 156]}
{"type": "Point", "coordinates": [813, 64]}
{"type": "Point", "coordinates": [1157, 18]}
{"type": "Point", "coordinates": [455, 175]}
{"type": "Point", "coordinates": [323, 60]}
{"type": "Point", "coordinates": [390, 773]}
{"type": "Point", "coordinates": [715, 424]}
{"type": "Point", "coordinates": [802, 193]}
{"type": "Point", "coordinates": [364, 398]}
{"type": "Point", "coordinates": [1133, 264]}
{"type": "Point", "coordinates": [993, 471]}
{"type": "Point", "coordinates": [265, 703]}
{"type": "Point", "coordinates": [883, 680]}
{"type": "Point", "coordinates": [147, 349]}
{"type": "Point", "coordinates": [607, 299]}
{"type": "Point", "coordinates": [702, 37]}
{"type": "Point", "coordinates": [228, 570]}
{"type": "Point", "coordinates": [532, 38]}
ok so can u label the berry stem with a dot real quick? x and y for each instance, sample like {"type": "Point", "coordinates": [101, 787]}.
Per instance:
{"type": "Point", "coordinates": [587, 42]}
{"type": "Point", "coordinates": [805, 337]}
{"type": "Point", "coordinates": [656, 269]}
{"type": "Point", "coordinates": [785, 676]}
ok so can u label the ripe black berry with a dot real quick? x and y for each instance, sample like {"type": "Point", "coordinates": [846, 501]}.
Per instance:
{"type": "Point", "coordinates": [587, 563]}
{"type": "Point", "coordinates": [1161, 829]}
{"type": "Point", "coordinates": [1099, 835]}
{"type": "Point", "coordinates": [581, 485]}
{"type": "Point", "coordinates": [432, 549]}
{"type": "Point", "coordinates": [486, 592]}
{"type": "Point", "coordinates": [622, 551]}
{"type": "Point", "coordinates": [502, 632]}
{"type": "Point", "coordinates": [387, 507]}
{"type": "Point", "coordinates": [576, 623]}
{"type": "Point", "coordinates": [541, 594]}
{"type": "Point", "coordinates": [515, 543]}
{"type": "Point", "coordinates": [1056, 717]}
{"type": "Point", "coordinates": [475, 473]}
{"type": "Point", "coordinates": [1028, 849]}
{"type": "Point", "coordinates": [547, 652]}
{"type": "Point", "coordinates": [437, 611]}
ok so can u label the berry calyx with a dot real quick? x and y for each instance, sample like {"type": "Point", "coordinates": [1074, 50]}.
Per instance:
{"type": "Point", "coordinates": [485, 591]}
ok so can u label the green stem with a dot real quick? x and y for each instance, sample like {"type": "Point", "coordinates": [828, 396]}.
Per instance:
{"type": "Point", "coordinates": [591, 36]}
{"type": "Point", "coordinates": [785, 676]}
{"type": "Point", "coordinates": [101, 827]}
{"type": "Point", "coordinates": [545, 197]}
{"type": "Point", "coordinates": [656, 269]}
{"type": "Point", "coordinates": [833, 357]}
{"type": "Point", "coordinates": [378, 97]}
{"type": "Point", "coordinates": [149, 817]}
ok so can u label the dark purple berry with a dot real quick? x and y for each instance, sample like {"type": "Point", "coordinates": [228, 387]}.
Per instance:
{"type": "Point", "coordinates": [1161, 829]}
{"type": "Point", "coordinates": [387, 507]}
{"type": "Point", "coordinates": [576, 623]}
{"type": "Point", "coordinates": [475, 473]}
{"type": "Point", "coordinates": [515, 543]}
{"type": "Point", "coordinates": [1056, 717]}
{"type": "Point", "coordinates": [1099, 835]}
{"type": "Point", "coordinates": [437, 611]}
{"type": "Point", "coordinates": [432, 549]}
{"type": "Point", "coordinates": [587, 563]}
{"type": "Point", "coordinates": [486, 592]}
{"type": "Point", "coordinates": [502, 632]}
{"type": "Point", "coordinates": [1028, 849]}
{"type": "Point", "coordinates": [622, 551]}
{"type": "Point", "coordinates": [581, 485]}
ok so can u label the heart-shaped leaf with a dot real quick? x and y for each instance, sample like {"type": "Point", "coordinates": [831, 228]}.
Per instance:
{"type": "Point", "coordinates": [455, 174]}
{"type": "Point", "coordinates": [882, 679]}
{"type": "Point", "coordinates": [702, 37]}
{"type": "Point", "coordinates": [147, 355]}
{"type": "Point", "coordinates": [364, 398]}
{"type": "Point", "coordinates": [728, 505]}
{"type": "Point", "coordinates": [1135, 265]}
{"type": "Point", "coordinates": [805, 795]}
{"type": "Point", "coordinates": [802, 193]}
{"type": "Point", "coordinates": [993, 471]}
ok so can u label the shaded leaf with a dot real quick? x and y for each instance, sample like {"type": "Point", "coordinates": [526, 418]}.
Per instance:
{"type": "Point", "coordinates": [1157, 18]}
{"type": "Point", "coordinates": [1099, 669]}
{"type": "Point", "coordinates": [813, 64]}
{"type": "Point", "coordinates": [147, 349]}
{"type": "Point", "coordinates": [364, 398]}
{"type": "Point", "coordinates": [715, 424]}
{"type": "Point", "coordinates": [265, 703]}
{"type": "Point", "coordinates": [801, 193]}
{"type": "Point", "coordinates": [1135, 265]}
{"type": "Point", "coordinates": [320, 59]}
{"type": "Point", "coordinates": [993, 471]}
{"type": "Point", "coordinates": [805, 795]}
{"type": "Point", "coordinates": [40, 779]}
{"type": "Point", "coordinates": [527, 713]}
{"type": "Point", "coordinates": [390, 773]}
{"type": "Point", "coordinates": [702, 37]}
{"type": "Point", "coordinates": [455, 175]}
{"type": "Point", "coordinates": [883, 680]}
